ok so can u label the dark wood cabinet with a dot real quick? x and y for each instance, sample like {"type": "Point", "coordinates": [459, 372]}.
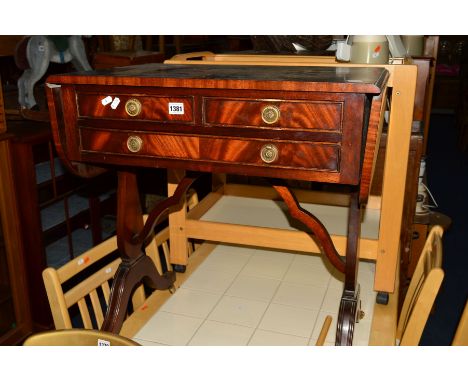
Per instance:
{"type": "Point", "coordinates": [15, 318]}
{"type": "Point", "coordinates": [52, 205]}
{"type": "Point", "coordinates": [41, 204]}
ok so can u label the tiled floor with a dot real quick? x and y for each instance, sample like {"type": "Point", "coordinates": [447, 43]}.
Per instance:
{"type": "Point", "coordinates": [251, 296]}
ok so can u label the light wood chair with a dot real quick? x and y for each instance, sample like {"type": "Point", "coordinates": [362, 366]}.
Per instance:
{"type": "Point", "coordinates": [461, 335]}
{"type": "Point", "coordinates": [78, 337]}
{"type": "Point", "coordinates": [422, 291]}
{"type": "Point", "coordinates": [91, 293]}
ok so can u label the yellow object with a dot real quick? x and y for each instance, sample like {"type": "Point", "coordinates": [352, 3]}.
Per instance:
{"type": "Point", "coordinates": [461, 335]}
{"type": "Point", "coordinates": [422, 291]}
{"type": "Point", "coordinates": [77, 337]}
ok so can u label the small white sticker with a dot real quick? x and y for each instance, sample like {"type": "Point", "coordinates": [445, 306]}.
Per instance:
{"type": "Point", "coordinates": [80, 261]}
{"type": "Point", "coordinates": [103, 342]}
{"type": "Point", "coordinates": [52, 86]}
{"type": "Point", "coordinates": [106, 101]}
{"type": "Point", "coordinates": [115, 103]}
{"type": "Point", "coordinates": [176, 108]}
{"type": "Point", "coordinates": [108, 270]}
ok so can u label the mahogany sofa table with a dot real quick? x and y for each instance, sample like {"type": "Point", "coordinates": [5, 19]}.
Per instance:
{"type": "Point", "coordinates": [316, 124]}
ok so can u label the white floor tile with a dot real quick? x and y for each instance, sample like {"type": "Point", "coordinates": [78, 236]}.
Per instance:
{"type": "Point", "coordinates": [289, 320]}
{"type": "Point", "coordinates": [336, 280]}
{"type": "Point", "coordinates": [367, 305]}
{"type": "Point", "coordinates": [331, 302]}
{"type": "Point", "coordinates": [227, 259]}
{"type": "Point", "coordinates": [366, 279]}
{"type": "Point", "coordinates": [300, 295]}
{"type": "Point", "coordinates": [318, 327]}
{"type": "Point", "coordinates": [192, 303]}
{"type": "Point", "coordinates": [146, 343]}
{"type": "Point", "coordinates": [366, 275]}
{"type": "Point", "coordinates": [213, 333]}
{"type": "Point", "coordinates": [367, 267]}
{"type": "Point", "coordinates": [169, 329]}
{"type": "Point", "coordinates": [267, 338]}
{"type": "Point", "coordinates": [239, 311]}
{"type": "Point", "coordinates": [209, 281]}
{"type": "Point", "coordinates": [362, 333]}
{"type": "Point", "coordinates": [268, 264]}
{"type": "Point", "coordinates": [233, 249]}
{"type": "Point", "coordinates": [253, 288]}
{"type": "Point", "coordinates": [313, 260]}
{"type": "Point", "coordinates": [310, 270]}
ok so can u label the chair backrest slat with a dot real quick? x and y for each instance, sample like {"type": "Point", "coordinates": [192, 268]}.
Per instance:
{"type": "Point", "coordinates": [422, 291]}
{"type": "Point", "coordinates": [91, 283]}
{"type": "Point", "coordinates": [88, 258]}
{"type": "Point", "coordinates": [106, 291]}
{"type": "Point", "coordinates": [96, 303]}
{"type": "Point", "coordinates": [84, 312]}
{"type": "Point", "coordinates": [421, 310]}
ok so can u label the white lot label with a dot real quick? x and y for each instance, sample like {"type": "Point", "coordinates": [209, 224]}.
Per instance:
{"type": "Point", "coordinates": [176, 108]}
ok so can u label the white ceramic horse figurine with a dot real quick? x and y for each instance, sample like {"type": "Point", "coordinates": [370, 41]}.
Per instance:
{"type": "Point", "coordinates": [40, 51]}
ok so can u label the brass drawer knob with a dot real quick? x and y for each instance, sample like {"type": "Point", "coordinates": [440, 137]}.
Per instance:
{"type": "Point", "coordinates": [133, 107]}
{"type": "Point", "coordinates": [270, 114]}
{"type": "Point", "coordinates": [269, 153]}
{"type": "Point", "coordinates": [134, 143]}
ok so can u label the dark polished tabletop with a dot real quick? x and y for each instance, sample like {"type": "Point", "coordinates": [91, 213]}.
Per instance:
{"type": "Point", "coordinates": [300, 78]}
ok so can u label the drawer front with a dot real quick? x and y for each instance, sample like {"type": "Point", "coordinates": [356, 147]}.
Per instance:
{"type": "Point", "coordinates": [282, 114]}
{"type": "Point", "coordinates": [289, 155]}
{"type": "Point", "coordinates": [294, 155]}
{"type": "Point", "coordinates": [127, 106]}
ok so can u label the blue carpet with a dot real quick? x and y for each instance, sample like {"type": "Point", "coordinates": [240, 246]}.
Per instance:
{"type": "Point", "coordinates": [447, 178]}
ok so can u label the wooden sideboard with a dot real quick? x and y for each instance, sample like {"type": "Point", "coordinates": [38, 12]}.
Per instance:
{"type": "Point", "coordinates": [15, 316]}
{"type": "Point", "coordinates": [320, 125]}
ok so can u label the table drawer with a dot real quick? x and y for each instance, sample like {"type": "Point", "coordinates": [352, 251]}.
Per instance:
{"type": "Point", "coordinates": [277, 154]}
{"type": "Point", "coordinates": [295, 155]}
{"type": "Point", "coordinates": [136, 107]}
{"type": "Point", "coordinates": [274, 113]}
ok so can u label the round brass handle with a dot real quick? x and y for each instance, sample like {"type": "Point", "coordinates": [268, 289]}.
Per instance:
{"type": "Point", "coordinates": [269, 153]}
{"type": "Point", "coordinates": [133, 107]}
{"type": "Point", "coordinates": [270, 114]}
{"type": "Point", "coordinates": [134, 143]}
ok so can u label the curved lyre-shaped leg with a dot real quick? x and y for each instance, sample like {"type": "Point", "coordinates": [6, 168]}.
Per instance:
{"type": "Point", "coordinates": [132, 234]}
{"type": "Point", "coordinates": [315, 225]}
{"type": "Point", "coordinates": [129, 274]}
{"type": "Point", "coordinates": [349, 310]}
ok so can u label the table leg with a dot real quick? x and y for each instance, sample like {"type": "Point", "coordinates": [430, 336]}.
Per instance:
{"type": "Point", "coordinates": [314, 224]}
{"type": "Point", "coordinates": [132, 235]}
{"type": "Point", "coordinates": [349, 307]}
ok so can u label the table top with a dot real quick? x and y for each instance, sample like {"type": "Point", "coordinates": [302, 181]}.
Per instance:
{"type": "Point", "coordinates": [335, 79]}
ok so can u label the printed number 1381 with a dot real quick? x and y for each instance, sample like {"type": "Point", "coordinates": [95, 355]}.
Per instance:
{"type": "Point", "coordinates": [176, 108]}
